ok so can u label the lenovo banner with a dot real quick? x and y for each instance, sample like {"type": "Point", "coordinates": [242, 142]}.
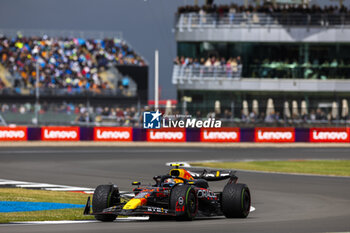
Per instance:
{"type": "Point", "coordinates": [220, 135]}
{"type": "Point", "coordinates": [58, 133]}
{"type": "Point", "coordinates": [13, 134]}
{"type": "Point", "coordinates": [166, 135]}
{"type": "Point", "coordinates": [112, 134]}
{"type": "Point", "coordinates": [274, 135]}
{"type": "Point", "coordinates": [329, 134]}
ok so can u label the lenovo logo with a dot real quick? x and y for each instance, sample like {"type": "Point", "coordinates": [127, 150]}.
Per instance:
{"type": "Point", "coordinates": [170, 136]}
{"type": "Point", "coordinates": [274, 135]}
{"type": "Point", "coordinates": [329, 135]}
{"type": "Point", "coordinates": [166, 135]}
{"type": "Point", "coordinates": [60, 133]}
{"type": "Point", "coordinates": [112, 134]}
{"type": "Point", "coordinates": [220, 135]}
{"type": "Point", "coordinates": [15, 134]}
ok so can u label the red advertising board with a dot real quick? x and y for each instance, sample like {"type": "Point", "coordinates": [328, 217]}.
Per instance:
{"type": "Point", "coordinates": [329, 134]}
{"type": "Point", "coordinates": [13, 134]}
{"type": "Point", "coordinates": [112, 134]}
{"type": "Point", "coordinates": [274, 135]}
{"type": "Point", "coordinates": [60, 133]}
{"type": "Point", "coordinates": [220, 135]}
{"type": "Point", "coordinates": [166, 135]}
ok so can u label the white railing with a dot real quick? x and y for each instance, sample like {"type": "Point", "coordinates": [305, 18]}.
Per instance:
{"type": "Point", "coordinates": [201, 72]}
{"type": "Point", "coordinates": [212, 20]}
{"type": "Point", "coordinates": [87, 34]}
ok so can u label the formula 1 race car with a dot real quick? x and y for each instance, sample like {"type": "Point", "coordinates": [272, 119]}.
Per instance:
{"type": "Point", "coordinates": [181, 194]}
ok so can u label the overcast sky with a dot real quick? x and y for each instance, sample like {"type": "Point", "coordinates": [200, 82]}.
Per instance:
{"type": "Point", "coordinates": [146, 24]}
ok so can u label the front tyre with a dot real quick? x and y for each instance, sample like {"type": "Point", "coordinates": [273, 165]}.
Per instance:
{"type": "Point", "coordinates": [105, 196]}
{"type": "Point", "coordinates": [235, 202]}
{"type": "Point", "coordinates": [183, 200]}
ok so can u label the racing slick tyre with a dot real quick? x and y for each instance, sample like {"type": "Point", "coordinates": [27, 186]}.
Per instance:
{"type": "Point", "coordinates": [235, 201]}
{"type": "Point", "coordinates": [183, 200]}
{"type": "Point", "coordinates": [105, 196]}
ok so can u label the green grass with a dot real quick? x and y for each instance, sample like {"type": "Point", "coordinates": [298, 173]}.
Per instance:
{"type": "Point", "coordinates": [320, 167]}
{"type": "Point", "coordinates": [18, 194]}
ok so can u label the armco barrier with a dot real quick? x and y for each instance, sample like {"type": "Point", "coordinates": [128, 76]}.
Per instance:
{"type": "Point", "coordinates": [260, 135]}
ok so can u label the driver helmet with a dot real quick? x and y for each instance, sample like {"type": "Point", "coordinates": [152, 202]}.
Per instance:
{"type": "Point", "coordinates": [169, 182]}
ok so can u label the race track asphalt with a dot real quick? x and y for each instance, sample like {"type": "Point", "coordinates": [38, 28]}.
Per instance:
{"type": "Point", "coordinates": [284, 203]}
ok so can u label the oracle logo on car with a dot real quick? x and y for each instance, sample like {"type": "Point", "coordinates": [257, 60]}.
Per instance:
{"type": "Point", "coordinates": [13, 133]}
{"type": "Point", "coordinates": [166, 135]}
{"type": "Point", "coordinates": [220, 135]}
{"type": "Point", "coordinates": [274, 135]}
{"type": "Point", "coordinates": [329, 134]}
{"type": "Point", "coordinates": [52, 133]}
{"type": "Point", "coordinates": [112, 134]}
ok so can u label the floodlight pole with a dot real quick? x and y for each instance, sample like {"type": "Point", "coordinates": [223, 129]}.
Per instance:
{"type": "Point", "coordinates": [156, 79]}
{"type": "Point", "coordinates": [37, 94]}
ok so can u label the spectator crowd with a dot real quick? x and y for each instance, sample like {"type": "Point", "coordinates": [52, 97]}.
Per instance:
{"type": "Point", "coordinates": [284, 14]}
{"type": "Point", "coordinates": [266, 68]}
{"type": "Point", "coordinates": [286, 68]}
{"type": "Point", "coordinates": [132, 115]}
{"type": "Point", "coordinates": [231, 67]}
{"type": "Point", "coordinates": [209, 61]}
{"type": "Point", "coordinates": [266, 8]}
{"type": "Point", "coordinates": [63, 62]}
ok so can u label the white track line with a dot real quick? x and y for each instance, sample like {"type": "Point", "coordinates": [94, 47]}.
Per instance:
{"type": "Point", "coordinates": [97, 151]}
{"type": "Point", "coordinates": [126, 219]}
{"type": "Point", "coordinates": [53, 222]}
{"type": "Point", "coordinates": [44, 186]}
{"type": "Point", "coordinates": [12, 182]}
{"type": "Point", "coordinates": [69, 189]}
{"type": "Point", "coordinates": [36, 185]}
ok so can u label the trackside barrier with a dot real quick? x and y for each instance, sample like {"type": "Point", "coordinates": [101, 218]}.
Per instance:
{"type": "Point", "coordinates": [13, 134]}
{"type": "Point", "coordinates": [220, 135]}
{"type": "Point", "coordinates": [113, 134]}
{"type": "Point", "coordinates": [274, 135]}
{"type": "Point", "coordinates": [258, 135]}
{"type": "Point", "coordinates": [166, 135]}
{"type": "Point", "coordinates": [329, 135]}
{"type": "Point", "coordinates": [60, 133]}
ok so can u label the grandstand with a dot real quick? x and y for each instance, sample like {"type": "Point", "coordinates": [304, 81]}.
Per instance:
{"type": "Point", "coordinates": [272, 63]}
{"type": "Point", "coordinates": [71, 68]}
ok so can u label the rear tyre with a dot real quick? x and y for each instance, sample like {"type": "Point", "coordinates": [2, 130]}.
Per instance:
{"type": "Point", "coordinates": [235, 202]}
{"type": "Point", "coordinates": [183, 200]}
{"type": "Point", "coordinates": [105, 196]}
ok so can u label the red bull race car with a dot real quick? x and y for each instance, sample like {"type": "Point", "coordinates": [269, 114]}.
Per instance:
{"type": "Point", "coordinates": [181, 194]}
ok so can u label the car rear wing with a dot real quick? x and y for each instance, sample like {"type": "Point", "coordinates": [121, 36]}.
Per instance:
{"type": "Point", "coordinates": [216, 175]}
